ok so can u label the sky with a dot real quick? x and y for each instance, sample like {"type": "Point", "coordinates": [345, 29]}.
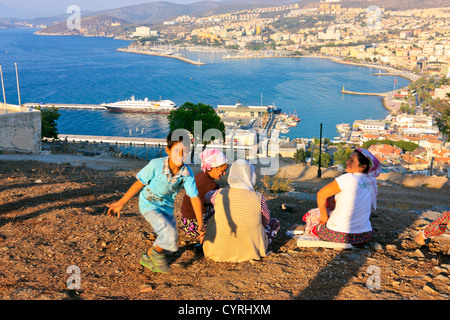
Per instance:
{"type": "Point", "coordinates": [39, 8]}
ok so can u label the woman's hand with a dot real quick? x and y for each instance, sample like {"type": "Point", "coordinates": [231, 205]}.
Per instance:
{"type": "Point", "coordinates": [202, 232]}
{"type": "Point", "coordinates": [114, 208]}
{"type": "Point", "coordinates": [323, 218]}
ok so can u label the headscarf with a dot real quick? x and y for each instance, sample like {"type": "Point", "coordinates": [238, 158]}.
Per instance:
{"type": "Point", "coordinates": [212, 158]}
{"type": "Point", "coordinates": [242, 175]}
{"type": "Point", "coordinates": [374, 172]}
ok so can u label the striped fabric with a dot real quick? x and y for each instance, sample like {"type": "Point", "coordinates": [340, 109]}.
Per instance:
{"type": "Point", "coordinates": [235, 233]}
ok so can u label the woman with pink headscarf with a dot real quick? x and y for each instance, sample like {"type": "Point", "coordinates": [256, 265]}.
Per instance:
{"type": "Point", "coordinates": [213, 167]}
{"type": "Point", "coordinates": [345, 204]}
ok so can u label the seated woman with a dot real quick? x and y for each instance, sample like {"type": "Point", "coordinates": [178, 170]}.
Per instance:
{"type": "Point", "coordinates": [214, 166]}
{"type": "Point", "coordinates": [241, 228]}
{"type": "Point", "coordinates": [346, 219]}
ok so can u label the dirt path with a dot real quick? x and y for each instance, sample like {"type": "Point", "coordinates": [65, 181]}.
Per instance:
{"type": "Point", "coordinates": [52, 216]}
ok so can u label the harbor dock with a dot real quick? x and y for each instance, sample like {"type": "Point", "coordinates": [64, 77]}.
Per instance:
{"type": "Point", "coordinates": [65, 106]}
{"type": "Point", "coordinates": [114, 140]}
{"type": "Point", "coordinates": [364, 93]}
{"type": "Point", "coordinates": [153, 53]}
{"type": "Point", "coordinates": [136, 141]}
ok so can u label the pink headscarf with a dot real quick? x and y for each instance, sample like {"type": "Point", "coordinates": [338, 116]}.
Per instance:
{"type": "Point", "coordinates": [212, 158]}
{"type": "Point", "coordinates": [374, 172]}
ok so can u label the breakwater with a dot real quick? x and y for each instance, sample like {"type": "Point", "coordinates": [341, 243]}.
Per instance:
{"type": "Point", "coordinates": [152, 53]}
{"type": "Point", "coordinates": [364, 93]}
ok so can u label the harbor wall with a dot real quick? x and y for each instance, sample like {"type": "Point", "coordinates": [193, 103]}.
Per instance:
{"type": "Point", "coordinates": [20, 129]}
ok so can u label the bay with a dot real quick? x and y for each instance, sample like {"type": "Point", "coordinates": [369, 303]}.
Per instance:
{"type": "Point", "coordinates": [73, 69]}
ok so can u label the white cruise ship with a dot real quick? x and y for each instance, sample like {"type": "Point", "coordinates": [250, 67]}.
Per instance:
{"type": "Point", "coordinates": [141, 106]}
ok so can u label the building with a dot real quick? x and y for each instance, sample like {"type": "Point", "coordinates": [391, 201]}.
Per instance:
{"type": "Point", "coordinates": [370, 125]}
{"type": "Point", "coordinates": [20, 129]}
{"type": "Point", "coordinates": [384, 150]}
{"type": "Point", "coordinates": [144, 32]}
{"type": "Point", "coordinates": [441, 93]}
{"type": "Point", "coordinates": [239, 110]}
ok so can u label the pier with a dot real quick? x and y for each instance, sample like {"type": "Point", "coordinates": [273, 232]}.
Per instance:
{"type": "Point", "coordinates": [114, 140]}
{"type": "Point", "coordinates": [136, 141]}
{"type": "Point", "coordinates": [65, 106]}
{"type": "Point", "coordinates": [364, 93]}
{"type": "Point", "coordinates": [152, 53]}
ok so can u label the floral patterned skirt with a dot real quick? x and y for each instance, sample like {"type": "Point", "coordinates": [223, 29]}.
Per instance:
{"type": "Point", "coordinates": [313, 227]}
{"type": "Point", "coordinates": [438, 226]}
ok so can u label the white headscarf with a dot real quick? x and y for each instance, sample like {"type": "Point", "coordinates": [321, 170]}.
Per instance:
{"type": "Point", "coordinates": [242, 175]}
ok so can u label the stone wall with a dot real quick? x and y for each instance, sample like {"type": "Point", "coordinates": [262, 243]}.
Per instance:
{"type": "Point", "coordinates": [20, 129]}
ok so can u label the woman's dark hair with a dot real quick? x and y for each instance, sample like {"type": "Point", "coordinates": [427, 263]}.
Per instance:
{"type": "Point", "coordinates": [363, 161]}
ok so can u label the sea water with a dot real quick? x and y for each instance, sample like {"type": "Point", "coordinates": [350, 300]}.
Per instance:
{"type": "Point", "coordinates": [84, 70]}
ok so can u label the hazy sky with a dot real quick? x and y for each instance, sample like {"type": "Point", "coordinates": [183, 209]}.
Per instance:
{"type": "Point", "coordinates": [51, 7]}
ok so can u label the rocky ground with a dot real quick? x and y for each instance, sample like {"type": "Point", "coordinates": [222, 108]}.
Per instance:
{"type": "Point", "coordinates": [52, 217]}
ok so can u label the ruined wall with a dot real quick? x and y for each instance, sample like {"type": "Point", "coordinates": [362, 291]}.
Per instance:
{"type": "Point", "coordinates": [20, 129]}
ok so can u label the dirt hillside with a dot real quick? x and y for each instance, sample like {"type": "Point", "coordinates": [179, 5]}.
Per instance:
{"type": "Point", "coordinates": [52, 217]}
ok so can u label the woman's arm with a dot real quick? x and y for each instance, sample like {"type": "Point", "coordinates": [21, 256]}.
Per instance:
{"type": "Point", "coordinates": [265, 212]}
{"type": "Point", "coordinates": [328, 191]}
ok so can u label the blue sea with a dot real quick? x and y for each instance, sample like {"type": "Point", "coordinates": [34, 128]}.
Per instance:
{"type": "Point", "coordinates": [73, 69]}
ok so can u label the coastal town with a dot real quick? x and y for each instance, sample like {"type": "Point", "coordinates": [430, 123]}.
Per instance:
{"type": "Point", "coordinates": [414, 44]}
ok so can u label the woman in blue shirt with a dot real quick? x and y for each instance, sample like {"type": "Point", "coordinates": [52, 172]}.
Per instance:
{"type": "Point", "coordinates": [158, 184]}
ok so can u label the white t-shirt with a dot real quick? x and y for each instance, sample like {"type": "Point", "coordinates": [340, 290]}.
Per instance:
{"type": "Point", "coordinates": [353, 205]}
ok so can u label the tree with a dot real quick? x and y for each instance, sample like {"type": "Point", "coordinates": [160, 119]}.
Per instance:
{"type": "Point", "coordinates": [48, 121]}
{"type": "Point", "coordinates": [443, 123]}
{"type": "Point", "coordinates": [342, 154]}
{"type": "Point", "coordinates": [300, 155]}
{"type": "Point", "coordinates": [185, 116]}
{"type": "Point", "coordinates": [325, 158]}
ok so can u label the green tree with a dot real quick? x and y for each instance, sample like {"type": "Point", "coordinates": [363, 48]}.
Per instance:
{"type": "Point", "coordinates": [342, 154]}
{"type": "Point", "coordinates": [443, 123]}
{"type": "Point", "coordinates": [325, 158]}
{"type": "Point", "coordinates": [49, 115]}
{"type": "Point", "coordinates": [185, 116]}
{"type": "Point", "coordinates": [300, 155]}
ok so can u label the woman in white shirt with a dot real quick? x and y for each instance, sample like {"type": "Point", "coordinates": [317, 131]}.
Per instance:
{"type": "Point", "coordinates": [355, 194]}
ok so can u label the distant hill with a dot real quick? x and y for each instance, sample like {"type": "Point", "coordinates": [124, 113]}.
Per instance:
{"type": "Point", "coordinates": [102, 22]}
{"type": "Point", "coordinates": [157, 12]}
{"type": "Point", "coordinates": [97, 25]}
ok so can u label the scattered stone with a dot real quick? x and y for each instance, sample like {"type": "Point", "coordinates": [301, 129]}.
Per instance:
{"type": "Point", "coordinates": [428, 288]}
{"type": "Point", "coordinates": [391, 247]}
{"type": "Point", "coordinates": [441, 277]}
{"type": "Point", "coordinates": [418, 254]}
{"type": "Point", "coordinates": [145, 288]}
{"type": "Point", "coordinates": [377, 247]}
{"type": "Point", "coordinates": [288, 207]}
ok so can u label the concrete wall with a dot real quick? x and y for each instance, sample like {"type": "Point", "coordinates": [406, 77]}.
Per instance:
{"type": "Point", "coordinates": [20, 129]}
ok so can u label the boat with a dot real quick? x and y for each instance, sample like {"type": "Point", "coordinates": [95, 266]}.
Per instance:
{"type": "Point", "coordinates": [141, 106]}
{"type": "Point", "coordinates": [273, 109]}
{"type": "Point", "coordinates": [343, 127]}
